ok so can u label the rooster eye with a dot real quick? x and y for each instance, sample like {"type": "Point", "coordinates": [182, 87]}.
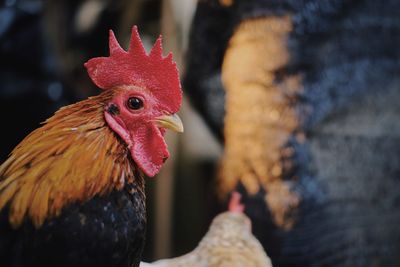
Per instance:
{"type": "Point", "coordinates": [135, 103]}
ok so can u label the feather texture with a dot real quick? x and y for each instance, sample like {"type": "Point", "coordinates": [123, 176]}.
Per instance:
{"type": "Point", "coordinates": [72, 157]}
{"type": "Point", "coordinates": [228, 242]}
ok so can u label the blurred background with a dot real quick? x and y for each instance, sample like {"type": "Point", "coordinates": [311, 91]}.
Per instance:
{"type": "Point", "coordinates": [294, 103]}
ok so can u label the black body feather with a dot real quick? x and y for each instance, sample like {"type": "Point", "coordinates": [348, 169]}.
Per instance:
{"type": "Point", "coordinates": [104, 231]}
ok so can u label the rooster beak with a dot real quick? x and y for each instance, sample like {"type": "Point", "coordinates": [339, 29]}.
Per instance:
{"type": "Point", "coordinates": [172, 122]}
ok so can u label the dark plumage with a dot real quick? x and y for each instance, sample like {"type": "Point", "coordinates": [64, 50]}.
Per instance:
{"type": "Point", "coordinates": [310, 91]}
{"type": "Point", "coordinates": [104, 231]}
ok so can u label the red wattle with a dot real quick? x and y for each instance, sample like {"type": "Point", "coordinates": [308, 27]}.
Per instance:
{"type": "Point", "coordinates": [149, 149]}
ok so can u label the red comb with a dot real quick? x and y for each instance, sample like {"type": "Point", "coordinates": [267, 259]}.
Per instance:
{"type": "Point", "coordinates": [153, 71]}
{"type": "Point", "coordinates": [234, 203]}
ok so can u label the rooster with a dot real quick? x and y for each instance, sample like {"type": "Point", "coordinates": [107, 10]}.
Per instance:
{"type": "Point", "coordinates": [72, 192]}
{"type": "Point", "coordinates": [228, 243]}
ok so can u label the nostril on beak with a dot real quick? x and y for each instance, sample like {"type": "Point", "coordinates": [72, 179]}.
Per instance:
{"type": "Point", "coordinates": [113, 109]}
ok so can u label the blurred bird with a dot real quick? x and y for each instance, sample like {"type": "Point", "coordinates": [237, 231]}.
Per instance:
{"type": "Point", "coordinates": [228, 243]}
{"type": "Point", "coordinates": [72, 192]}
{"type": "Point", "coordinates": [292, 89]}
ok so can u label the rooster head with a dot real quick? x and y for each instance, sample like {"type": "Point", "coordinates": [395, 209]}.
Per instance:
{"type": "Point", "coordinates": [147, 95]}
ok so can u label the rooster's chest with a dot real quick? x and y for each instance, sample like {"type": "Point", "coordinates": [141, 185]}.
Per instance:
{"type": "Point", "coordinates": [104, 231]}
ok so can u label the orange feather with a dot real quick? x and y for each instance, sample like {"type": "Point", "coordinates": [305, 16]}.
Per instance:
{"type": "Point", "coordinates": [72, 157]}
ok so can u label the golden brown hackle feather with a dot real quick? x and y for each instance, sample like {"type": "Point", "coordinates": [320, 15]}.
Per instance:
{"type": "Point", "coordinates": [72, 157]}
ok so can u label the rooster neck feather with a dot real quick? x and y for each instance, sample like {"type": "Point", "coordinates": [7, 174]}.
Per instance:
{"type": "Point", "coordinates": [72, 157]}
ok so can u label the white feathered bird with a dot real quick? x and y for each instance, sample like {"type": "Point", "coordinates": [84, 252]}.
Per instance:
{"type": "Point", "coordinates": [228, 243]}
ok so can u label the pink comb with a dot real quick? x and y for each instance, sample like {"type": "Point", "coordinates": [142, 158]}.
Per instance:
{"type": "Point", "coordinates": [135, 67]}
{"type": "Point", "coordinates": [234, 203]}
